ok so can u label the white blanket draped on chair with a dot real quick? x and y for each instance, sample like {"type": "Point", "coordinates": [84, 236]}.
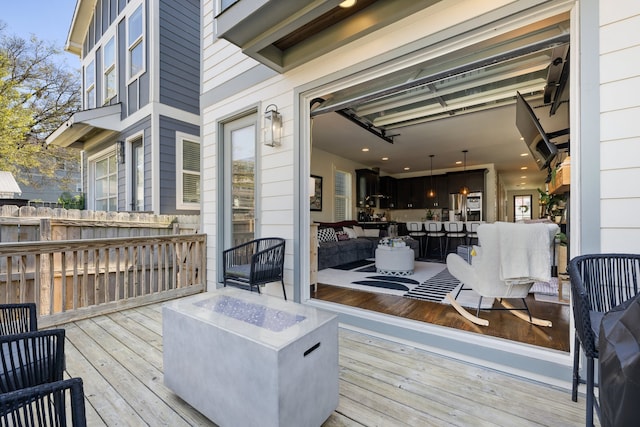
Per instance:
{"type": "Point", "coordinates": [525, 253]}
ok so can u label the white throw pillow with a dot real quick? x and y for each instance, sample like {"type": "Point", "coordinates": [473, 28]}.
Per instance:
{"type": "Point", "coordinates": [371, 232]}
{"type": "Point", "coordinates": [350, 232]}
{"type": "Point", "coordinates": [358, 230]}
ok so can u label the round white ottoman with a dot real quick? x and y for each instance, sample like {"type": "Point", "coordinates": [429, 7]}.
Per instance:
{"type": "Point", "coordinates": [395, 261]}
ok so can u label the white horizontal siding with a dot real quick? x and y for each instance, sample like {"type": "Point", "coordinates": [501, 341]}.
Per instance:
{"type": "Point", "coordinates": [620, 94]}
{"type": "Point", "coordinates": [622, 153]}
{"type": "Point", "coordinates": [617, 10]}
{"type": "Point", "coordinates": [620, 35]}
{"type": "Point", "coordinates": [619, 125]}
{"type": "Point", "coordinates": [619, 64]}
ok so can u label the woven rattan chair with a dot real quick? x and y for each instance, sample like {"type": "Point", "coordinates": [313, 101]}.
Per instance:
{"type": "Point", "coordinates": [31, 359]}
{"type": "Point", "coordinates": [60, 403]}
{"type": "Point", "coordinates": [255, 263]}
{"type": "Point", "coordinates": [599, 283]}
{"type": "Point", "coordinates": [18, 318]}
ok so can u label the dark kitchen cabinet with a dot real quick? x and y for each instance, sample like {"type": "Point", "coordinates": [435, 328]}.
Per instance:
{"type": "Point", "coordinates": [412, 193]}
{"type": "Point", "coordinates": [366, 186]}
{"type": "Point", "coordinates": [474, 179]}
{"type": "Point", "coordinates": [388, 189]}
{"type": "Point", "coordinates": [440, 187]}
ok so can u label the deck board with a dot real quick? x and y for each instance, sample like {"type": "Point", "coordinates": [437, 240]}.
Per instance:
{"type": "Point", "coordinates": [382, 383]}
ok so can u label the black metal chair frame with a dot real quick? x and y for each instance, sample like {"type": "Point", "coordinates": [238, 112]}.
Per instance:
{"type": "Point", "coordinates": [31, 358]}
{"type": "Point", "coordinates": [255, 263]}
{"type": "Point", "coordinates": [455, 232]}
{"type": "Point", "coordinates": [599, 282]}
{"type": "Point", "coordinates": [18, 318]}
{"type": "Point", "coordinates": [45, 404]}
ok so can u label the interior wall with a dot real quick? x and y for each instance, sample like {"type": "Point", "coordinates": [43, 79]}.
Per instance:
{"type": "Point", "coordinates": [535, 203]}
{"type": "Point", "coordinates": [325, 164]}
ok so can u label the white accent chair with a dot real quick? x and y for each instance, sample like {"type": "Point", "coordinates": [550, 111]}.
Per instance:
{"type": "Point", "coordinates": [510, 259]}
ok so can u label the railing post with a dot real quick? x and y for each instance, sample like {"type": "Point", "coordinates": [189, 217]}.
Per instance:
{"type": "Point", "coordinates": [45, 270]}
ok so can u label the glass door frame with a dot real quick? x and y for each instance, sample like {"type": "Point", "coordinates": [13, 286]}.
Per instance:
{"type": "Point", "coordinates": [224, 215]}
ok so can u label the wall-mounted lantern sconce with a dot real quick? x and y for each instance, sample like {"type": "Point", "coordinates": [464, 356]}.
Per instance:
{"type": "Point", "coordinates": [272, 126]}
{"type": "Point", "coordinates": [120, 152]}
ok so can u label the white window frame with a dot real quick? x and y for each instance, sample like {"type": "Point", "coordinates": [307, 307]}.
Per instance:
{"type": "Point", "coordinates": [180, 204]}
{"type": "Point", "coordinates": [90, 88]}
{"type": "Point", "coordinates": [139, 41]}
{"type": "Point", "coordinates": [108, 69]}
{"type": "Point", "coordinates": [91, 187]}
{"type": "Point", "coordinates": [347, 198]}
{"type": "Point", "coordinates": [129, 168]}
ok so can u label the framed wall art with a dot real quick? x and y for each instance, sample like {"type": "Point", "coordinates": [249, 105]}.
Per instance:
{"type": "Point", "coordinates": [316, 194]}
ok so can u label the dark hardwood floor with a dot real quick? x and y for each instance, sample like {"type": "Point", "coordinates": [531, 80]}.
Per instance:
{"type": "Point", "coordinates": [501, 323]}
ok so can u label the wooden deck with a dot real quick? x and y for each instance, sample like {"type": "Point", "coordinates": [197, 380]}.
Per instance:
{"type": "Point", "coordinates": [382, 383]}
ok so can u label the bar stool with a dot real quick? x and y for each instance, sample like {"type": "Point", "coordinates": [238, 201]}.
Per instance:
{"type": "Point", "coordinates": [454, 230]}
{"type": "Point", "coordinates": [415, 231]}
{"type": "Point", "coordinates": [434, 230]}
{"type": "Point", "coordinates": [472, 231]}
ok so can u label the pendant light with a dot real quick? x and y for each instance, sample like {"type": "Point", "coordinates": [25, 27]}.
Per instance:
{"type": "Point", "coordinates": [464, 190]}
{"type": "Point", "coordinates": [432, 193]}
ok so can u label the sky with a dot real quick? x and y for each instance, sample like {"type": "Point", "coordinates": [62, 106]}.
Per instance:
{"type": "Point", "coordinates": [49, 20]}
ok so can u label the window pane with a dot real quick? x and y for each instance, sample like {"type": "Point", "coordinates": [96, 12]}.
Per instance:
{"type": "Point", "coordinates": [190, 156]}
{"type": "Point", "coordinates": [110, 83]}
{"type": "Point", "coordinates": [90, 75]}
{"type": "Point", "coordinates": [191, 188]}
{"type": "Point", "coordinates": [135, 25]}
{"type": "Point", "coordinates": [91, 98]}
{"type": "Point", "coordinates": [135, 60]}
{"type": "Point", "coordinates": [109, 54]}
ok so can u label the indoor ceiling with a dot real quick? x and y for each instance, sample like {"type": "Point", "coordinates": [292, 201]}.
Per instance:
{"type": "Point", "coordinates": [464, 101]}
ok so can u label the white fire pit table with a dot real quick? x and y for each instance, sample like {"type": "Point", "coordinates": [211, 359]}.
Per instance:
{"type": "Point", "coordinates": [248, 359]}
{"type": "Point", "coordinates": [395, 260]}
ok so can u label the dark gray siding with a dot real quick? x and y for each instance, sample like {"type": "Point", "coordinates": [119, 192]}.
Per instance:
{"type": "Point", "coordinates": [180, 54]}
{"type": "Point", "coordinates": [168, 128]}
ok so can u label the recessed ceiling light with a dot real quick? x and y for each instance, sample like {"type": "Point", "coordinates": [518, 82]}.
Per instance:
{"type": "Point", "coordinates": [459, 162]}
{"type": "Point", "coordinates": [407, 168]}
{"type": "Point", "coordinates": [522, 183]}
{"type": "Point", "coordinates": [524, 168]}
{"type": "Point", "coordinates": [385, 158]}
{"type": "Point", "coordinates": [521, 139]}
{"type": "Point", "coordinates": [347, 4]}
{"type": "Point", "coordinates": [365, 149]}
{"type": "Point", "coordinates": [523, 177]}
{"type": "Point", "coordinates": [524, 154]}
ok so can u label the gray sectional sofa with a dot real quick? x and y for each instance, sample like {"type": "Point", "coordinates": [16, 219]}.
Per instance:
{"type": "Point", "coordinates": [333, 253]}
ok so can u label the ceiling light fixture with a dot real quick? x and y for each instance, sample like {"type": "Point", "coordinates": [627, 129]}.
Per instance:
{"type": "Point", "coordinates": [347, 4]}
{"type": "Point", "coordinates": [464, 190]}
{"type": "Point", "coordinates": [365, 149]}
{"type": "Point", "coordinates": [432, 193]}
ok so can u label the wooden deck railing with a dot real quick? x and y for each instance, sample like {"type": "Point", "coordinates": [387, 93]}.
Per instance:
{"type": "Point", "coordinates": [74, 279]}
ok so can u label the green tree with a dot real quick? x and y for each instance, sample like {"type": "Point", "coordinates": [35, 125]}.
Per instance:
{"type": "Point", "coordinates": [38, 92]}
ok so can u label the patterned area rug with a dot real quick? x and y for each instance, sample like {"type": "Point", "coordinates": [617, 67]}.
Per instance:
{"type": "Point", "coordinates": [436, 289]}
{"type": "Point", "coordinates": [363, 276]}
{"type": "Point", "coordinates": [430, 282]}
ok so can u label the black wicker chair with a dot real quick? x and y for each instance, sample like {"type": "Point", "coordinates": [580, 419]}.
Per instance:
{"type": "Point", "coordinates": [30, 359]}
{"type": "Point", "coordinates": [18, 318]}
{"type": "Point", "coordinates": [255, 263]}
{"type": "Point", "coordinates": [599, 283]}
{"type": "Point", "coordinates": [60, 403]}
